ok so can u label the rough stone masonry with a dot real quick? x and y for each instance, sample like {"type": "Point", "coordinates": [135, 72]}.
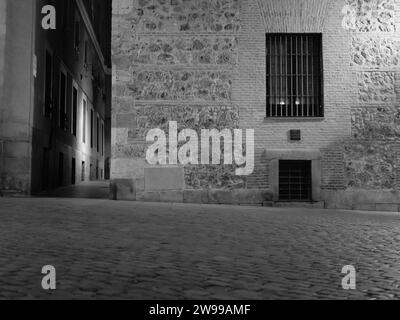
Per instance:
{"type": "Point", "coordinates": [203, 64]}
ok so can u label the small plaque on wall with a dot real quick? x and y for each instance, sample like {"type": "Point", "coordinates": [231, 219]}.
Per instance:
{"type": "Point", "coordinates": [295, 135]}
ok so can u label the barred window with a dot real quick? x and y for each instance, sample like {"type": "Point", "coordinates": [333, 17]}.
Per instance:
{"type": "Point", "coordinates": [294, 75]}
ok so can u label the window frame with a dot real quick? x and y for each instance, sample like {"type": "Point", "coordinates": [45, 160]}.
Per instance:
{"type": "Point", "coordinates": [102, 137]}
{"type": "Point", "coordinates": [47, 112]}
{"type": "Point", "coordinates": [84, 118]}
{"type": "Point", "coordinates": [74, 109]}
{"type": "Point", "coordinates": [98, 134]}
{"type": "Point", "coordinates": [92, 115]}
{"type": "Point", "coordinates": [63, 72]}
{"type": "Point", "coordinates": [320, 97]}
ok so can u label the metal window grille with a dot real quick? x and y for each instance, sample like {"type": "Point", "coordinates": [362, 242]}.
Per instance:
{"type": "Point", "coordinates": [294, 75]}
{"type": "Point", "coordinates": [295, 181]}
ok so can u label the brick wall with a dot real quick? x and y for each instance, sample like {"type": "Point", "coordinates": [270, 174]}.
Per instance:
{"type": "Point", "coordinates": [260, 17]}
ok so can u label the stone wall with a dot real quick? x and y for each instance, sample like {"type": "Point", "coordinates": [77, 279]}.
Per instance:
{"type": "Point", "coordinates": [369, 16]}
{"type": "Point", "coordinates": [185, 16]}
{"type": "Point", "coordinates": [374, 52]}
{"type": "Point", "coordinates": [173, 61]}
{"type": "Point", "coordinates": [3, 28]}
{"type": "Point", "coordinates": [16, 103]}
{"type": "Point", "coordinates": [371, 154]}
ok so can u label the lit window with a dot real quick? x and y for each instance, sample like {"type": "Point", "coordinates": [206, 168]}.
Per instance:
{"type": "Point", "coordinates": [91, 128]}
{"type": "Point", "coordinates": [74, 109]}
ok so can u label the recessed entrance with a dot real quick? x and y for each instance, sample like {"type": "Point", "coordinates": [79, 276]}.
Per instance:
{"type": "Point", "coordinates": [61, 169]}
{"type": "Point", "coordinates": [295, 180]}
{"type": "Point", "coordinates": [73, 171]}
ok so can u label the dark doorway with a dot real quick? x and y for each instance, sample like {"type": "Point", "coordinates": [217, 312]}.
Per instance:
{"type": "Point", "coordinates": [295, 180]}
{"type": "Point", "coordinates": [73, 171]}
{"type": "Point", "coordinates": [83, 173]}
{"type": "Point", "coordinates": [63, 100]}
{"type": "Point", "coordinates": [45, 170]}
{"type": "Point", "coordinates": [61, 169]}
{"type": "Point", "coordinates": [74, 111]}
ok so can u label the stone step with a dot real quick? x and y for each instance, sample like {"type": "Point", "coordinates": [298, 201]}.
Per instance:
{"type": "Point", "coordinates": [11, 194]}
{"type": "Point", "coordinates": [309, 205]}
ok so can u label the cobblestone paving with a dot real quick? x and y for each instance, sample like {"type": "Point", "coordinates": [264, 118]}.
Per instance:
{"type": "Point", "coordinates": [83, 190]}
{"type": "Point", "coordinates": [105, 250]}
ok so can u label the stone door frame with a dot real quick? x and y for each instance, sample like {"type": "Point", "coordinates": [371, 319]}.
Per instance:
{"type": "Point", "coordinates": [276, 155]}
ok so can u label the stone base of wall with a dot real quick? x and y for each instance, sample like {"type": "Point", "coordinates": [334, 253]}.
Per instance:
{"type": "Point", "coordinates": [12, 194]}
{"type": "Point", "coordinates": [125, 189]}
{"type": "Point", "coordinates": [303, 205]}
{"type": "Point", "coordinates": [366, 200]}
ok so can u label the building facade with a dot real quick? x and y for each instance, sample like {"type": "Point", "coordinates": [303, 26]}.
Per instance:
{"type": "Point", "coordinates": [317, 80]}
{"type": "Point", "coordinates": [55, 103]}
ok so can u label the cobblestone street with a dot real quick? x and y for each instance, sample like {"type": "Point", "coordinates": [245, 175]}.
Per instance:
{"type": "Point", "coordinates": [104, 249]}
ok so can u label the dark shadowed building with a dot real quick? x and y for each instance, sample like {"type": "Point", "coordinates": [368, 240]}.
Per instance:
{"type": "Point", "coordinates": [55, 95]}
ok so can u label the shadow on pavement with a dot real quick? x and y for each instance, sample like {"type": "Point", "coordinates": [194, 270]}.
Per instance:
{"type": "Point", "coordinates": [84, 190]}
